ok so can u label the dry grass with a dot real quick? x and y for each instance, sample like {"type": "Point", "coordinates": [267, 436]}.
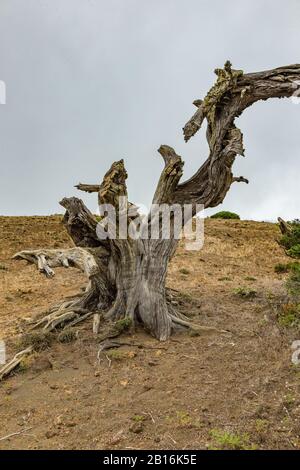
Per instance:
{"type": "Point", "coordinates": [186, 388]}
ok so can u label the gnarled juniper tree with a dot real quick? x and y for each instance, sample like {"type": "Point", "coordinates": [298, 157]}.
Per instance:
{"type": "Point", "coordinates": [126, 277]}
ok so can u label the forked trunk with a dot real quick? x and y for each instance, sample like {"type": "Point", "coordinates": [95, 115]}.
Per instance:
{"type": "Point", "coordinates": [127, 276]}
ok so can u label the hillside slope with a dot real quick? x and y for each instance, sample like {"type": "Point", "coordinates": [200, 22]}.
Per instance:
{"type": "Point", "coordinates": [189, 392]}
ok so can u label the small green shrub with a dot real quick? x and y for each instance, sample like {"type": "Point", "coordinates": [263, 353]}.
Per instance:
{"type": "Point", "coordinates": [120, 355]}
{"type": "Point", "coordinates": [123, 325]}
{"type": "Point", "coordinates": [294, 267]}
{"type": "Point", "coordinates": [281, 268]}
{"type": "Point", "coordinates": [224, 440]}
{"type": "Point", "coordinates": [38, 340]}
{"type": "Point", "coordinates": [289, 315]}
{"type": "Point", "coordinates": [26, 363]}
{"type": "Point", "coordinates": [184, 418]}
{"type": "Point", "coordinates": [138, 418]}
{"type": "Point", "coordinates": [294, 251]}
{"type": "Point", "coordinates": [225, 215]}
{"type": "Point", "coordinates": [285, 268]}
{"type": "Point", "coordinates": [67, 336]}
{"type": "Point", "coordinates": [193, 332]}
{"type": "Point", "coordinates": [289, 401]}
{"type": "Point", "coordinates": [116, 355]}
{"type": "Point", "coordinates": [291, 241]}
{"type": "Point", "coordinates": [184, 271]}
{"type": "Point", "coordinates": [245, 292]}
{"type": "Point", "coordinates": [261, 425]}
{"type": "Point", "coordinates": [293, 283]}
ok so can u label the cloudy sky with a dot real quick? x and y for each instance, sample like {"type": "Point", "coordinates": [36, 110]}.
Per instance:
{"type": "Point", "coordinates": [92, 81]}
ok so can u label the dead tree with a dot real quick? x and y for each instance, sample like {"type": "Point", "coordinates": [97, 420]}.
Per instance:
{"type": "Point", "coordinates": [126, 277]}
{"type": "Point", "coordinates": [285, 227]}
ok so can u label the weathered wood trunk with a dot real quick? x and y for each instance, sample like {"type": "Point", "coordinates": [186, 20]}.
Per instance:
{"type": "Point", "coordinates": [140, 285]}
{"type": "Point", "coordinates": [127, 277]}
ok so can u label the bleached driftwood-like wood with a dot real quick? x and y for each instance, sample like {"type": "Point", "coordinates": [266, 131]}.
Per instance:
{"type": "Point", "coordinates": [285, 227]}
{"type": "Point", "coordinates": [14, 363]}
{"type": "Point", "coordinates": [128, 281]}
{"type": "Point", "coordinates": [82, 259]}
{"type": "Point", "coordinates": [96, 323]}
{"type": "Point", "coordinates": [9, 436]}
{"type": "Point", "coordinates": [88, 188]}
{"type": "Point", "coordinates": [233, 92]}
{"type": "Point", "coordinates": [92, 262]}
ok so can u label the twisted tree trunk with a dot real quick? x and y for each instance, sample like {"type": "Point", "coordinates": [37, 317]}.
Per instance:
{"type": "Point", "coordinates": [126, 277]}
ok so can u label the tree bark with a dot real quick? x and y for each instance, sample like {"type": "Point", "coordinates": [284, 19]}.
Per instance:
{"type": "Point", "coordinates": [127, 277]}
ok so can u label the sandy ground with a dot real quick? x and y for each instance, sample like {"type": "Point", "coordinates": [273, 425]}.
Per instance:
{"type": "Point", "coordinates": [237, 389]}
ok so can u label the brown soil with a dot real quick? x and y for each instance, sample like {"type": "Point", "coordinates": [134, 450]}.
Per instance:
{"type": "Point", "coordinates": [156, 395]}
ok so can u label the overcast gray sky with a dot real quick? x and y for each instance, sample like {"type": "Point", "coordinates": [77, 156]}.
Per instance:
{"type": "Point", "coordinates": [92, 81]}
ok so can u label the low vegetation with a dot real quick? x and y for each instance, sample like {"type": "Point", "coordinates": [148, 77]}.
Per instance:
{"type": "Point", "coordinates": [290, 240]}
{"type": "Point", "coordinates": [289, 315]}
{"type": "Point", "coordinates": [245, 292]}
{"type": "Point", "coordinates": [225, 215]}
{"type": "Point", "coordinates": [223, 440]}
{"type": "Point", "coordinates": [289, 312]}
{"type": "Point", "coordinates": [184, 271]}
{"type": "Point", "coordinates": [39, 341]}
{"type": "Point", "coordinates": [287, 267]}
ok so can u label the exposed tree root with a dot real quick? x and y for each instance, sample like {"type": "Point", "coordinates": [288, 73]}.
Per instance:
{"type": "Point", "coordinates": [15, 362]}
{"type": "Point", "coordinates": [96, 296]}
{"type": "Point", "coordinates": [75, 309]}
{"type": "Point", "coordinates": [193, 326]}
{"type": "Point", "coordinates": [68, 313]}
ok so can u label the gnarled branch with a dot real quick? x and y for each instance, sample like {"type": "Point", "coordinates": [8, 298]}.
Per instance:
{"type": "Point", "coordinates": [233, 92]}
{"type": "Point", "coordinates": [170, 175]}
{"type": "Point", "coordinates": [83, 259]}
{"type": "Point", "coordinates": [88, 188]}
{"type": "Point", "coordinates": [80, 223]}
{"type": "Point", "coordinates": [239, 179]}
